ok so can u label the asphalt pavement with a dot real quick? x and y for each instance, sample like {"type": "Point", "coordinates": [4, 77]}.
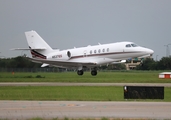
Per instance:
{"type": "Point", "coordinates": [82, 109]}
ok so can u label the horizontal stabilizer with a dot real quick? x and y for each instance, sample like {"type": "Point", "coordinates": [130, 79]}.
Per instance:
{"type": "Point", "coordinates": [28, 49]}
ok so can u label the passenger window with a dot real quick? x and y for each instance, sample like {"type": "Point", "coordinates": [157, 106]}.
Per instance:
{"type": "Point", "coordinates": [90, 51]}
{"type": "Point", "coordinates": [99, 50]}
{"type": "Point", "coordinates": [107, 49]}
{"type": "Point", "coordinates": [94, 51]}
{"type": "Point", "coordinates": [103, 50]}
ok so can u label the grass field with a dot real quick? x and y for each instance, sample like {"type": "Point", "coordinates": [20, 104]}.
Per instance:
{"type": "Point", "coordinates": [102, 77]}
{"type": "Point", "coordinates": [69, 93]}
{"type": "Point", "coordinates": [78, 93]}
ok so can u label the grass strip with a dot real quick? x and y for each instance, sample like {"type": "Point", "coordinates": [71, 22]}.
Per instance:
{"type": "Point", "coordinates": [69, 93]}
{"type": "Point", "coordinates": [102, 77]}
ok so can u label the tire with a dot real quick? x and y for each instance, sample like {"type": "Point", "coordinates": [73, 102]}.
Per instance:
{"type": "Point", "coordinates": [94, 72]}
{"type": "Point", "coordinates": [80, 72]}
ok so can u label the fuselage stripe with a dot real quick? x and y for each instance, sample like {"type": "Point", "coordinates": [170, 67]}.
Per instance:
{"type": "Point", "coordinates": [36, 54]}
{"type": "Point", "coordinates": [102, 54]}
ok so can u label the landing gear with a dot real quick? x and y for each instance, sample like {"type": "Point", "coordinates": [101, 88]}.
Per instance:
{"type": "Point", "coordinates": [80, 72]}
{"type": "Point", "coordinates": [94, 72]}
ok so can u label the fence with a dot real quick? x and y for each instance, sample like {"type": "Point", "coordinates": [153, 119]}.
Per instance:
{"type": "Point", "coordinates": [34, 70]}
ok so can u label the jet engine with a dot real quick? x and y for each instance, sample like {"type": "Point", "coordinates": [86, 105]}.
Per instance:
{"type": "Point", "coordinates": [64, 55]}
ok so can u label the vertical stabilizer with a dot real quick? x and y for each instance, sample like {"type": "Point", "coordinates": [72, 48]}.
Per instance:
{"type": "Point", "coordinates": [38, 47]}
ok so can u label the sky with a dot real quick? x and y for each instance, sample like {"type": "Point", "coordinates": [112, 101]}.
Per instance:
{"type": "Point", "coordinates": [65, 24]}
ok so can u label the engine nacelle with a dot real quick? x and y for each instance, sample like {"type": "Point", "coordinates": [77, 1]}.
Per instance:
{"type": "Point", "coordinates": [63, 55]}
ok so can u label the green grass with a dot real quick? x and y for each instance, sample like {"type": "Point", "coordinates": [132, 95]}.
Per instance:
{"type": "Point", "coordinates": [102, 77]}
{"type": "Point", "coordinates": [69, 93]}
{"type": "Point", "coordinates": [79, 93]}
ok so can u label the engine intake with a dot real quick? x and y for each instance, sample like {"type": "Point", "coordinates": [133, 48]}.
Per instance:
{"type": "Point", "coordinates": [69, 54]}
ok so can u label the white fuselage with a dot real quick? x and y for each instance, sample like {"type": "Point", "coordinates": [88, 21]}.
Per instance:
{"type": "Point", "coordinates": [90, 56]}
{"type": "Point", "coordinates": [109, 52]}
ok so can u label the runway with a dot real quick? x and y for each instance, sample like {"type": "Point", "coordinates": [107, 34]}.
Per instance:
{"type": "Point", "coordinates": [81, 84]}
{"type": "Point", "coordinates": [81, 109]}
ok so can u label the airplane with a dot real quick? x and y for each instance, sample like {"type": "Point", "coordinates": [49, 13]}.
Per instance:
{"type": "Point", "coordinates": [90, 56]}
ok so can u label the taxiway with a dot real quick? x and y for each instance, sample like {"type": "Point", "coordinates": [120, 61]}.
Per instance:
{"type": "Point", "coordinates": [81, 109]}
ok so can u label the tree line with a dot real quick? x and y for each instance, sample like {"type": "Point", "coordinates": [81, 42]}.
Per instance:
{"type": "Point", "coordinates": [150, 64]}
{"type": "Point", "coordinates": [146, 64]}
{"type": "Point", "coordinates": [17, 62]}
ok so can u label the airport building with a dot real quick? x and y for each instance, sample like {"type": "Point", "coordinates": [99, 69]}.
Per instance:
{"type": "Point", "coordinates": [130, 65]}
{"type": "Point", "coordinates": [133, 63]}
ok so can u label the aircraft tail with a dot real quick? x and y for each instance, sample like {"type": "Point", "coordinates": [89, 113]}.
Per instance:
{"type": "Point", "coordinates": [38, 47]}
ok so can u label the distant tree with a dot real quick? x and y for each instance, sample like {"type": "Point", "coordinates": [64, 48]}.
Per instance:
{"type": "Point", "coordinates": [165, 63]}
{"type": "Point", "coordinates": [147, 64]}
{"type": "Point", "coordinates": [120, 66]}
{"type": "Point", "coordinates": [150, 64]}
{"type": "Point", "coordinates": [17, 62]}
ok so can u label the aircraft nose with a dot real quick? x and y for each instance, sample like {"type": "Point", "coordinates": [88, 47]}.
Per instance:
{"type": "Point", "coordinates": [150, 51]}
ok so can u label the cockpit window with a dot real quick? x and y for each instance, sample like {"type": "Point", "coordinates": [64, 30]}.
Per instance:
{"type": "Point", "coordinates": [134, 45]}
{"type": "Point", "coordinates": [128, 45]}
{"type": "Point", "coordinates": [131, 45]}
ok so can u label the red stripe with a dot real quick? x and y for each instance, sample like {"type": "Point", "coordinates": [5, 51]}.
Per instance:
{"type": "Point", "coordinates": [37, 55]}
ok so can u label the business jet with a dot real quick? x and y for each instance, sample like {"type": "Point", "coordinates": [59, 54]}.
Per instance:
{"type": "Point", "coordinates": [90, 56]}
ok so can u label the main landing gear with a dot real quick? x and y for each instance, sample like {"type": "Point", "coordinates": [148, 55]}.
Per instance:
{"type": "Point", "coordinates": [80, 72]}
{"type": "Point", "coordinates": [93, 72]}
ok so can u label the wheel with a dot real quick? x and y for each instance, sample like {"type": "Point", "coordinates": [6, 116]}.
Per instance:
{"type": "Point", "coordinates": [94, 72]}
{"type": "Point", "coordinates": [80, 72]}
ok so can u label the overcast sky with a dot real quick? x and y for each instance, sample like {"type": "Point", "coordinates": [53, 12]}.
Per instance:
{"type": "Point", "coordinates": [75, 23]}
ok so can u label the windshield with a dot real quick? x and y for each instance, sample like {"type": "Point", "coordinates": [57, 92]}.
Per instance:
{"type": "Point", "coordinates": [131, 45]}
{"type": "Point", "coordinates": [134, 45]}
